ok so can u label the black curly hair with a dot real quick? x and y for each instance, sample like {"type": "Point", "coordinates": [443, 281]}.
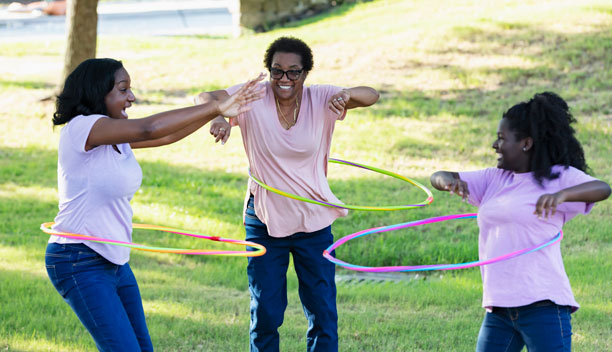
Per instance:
{"type": "Point", "coordinates": [547, 120]}
{"type": "Point", "coordinates": [85, 89]}
{"type": "Point", "coordinates": [289, 45]}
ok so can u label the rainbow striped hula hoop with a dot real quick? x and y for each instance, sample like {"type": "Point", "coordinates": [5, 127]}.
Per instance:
{"type": "Point", "coordinates": [261, 250]}
{"type": "Point", "coordinates": [326, 253]}
{"type": "Point", "coordinates": [355, 207]}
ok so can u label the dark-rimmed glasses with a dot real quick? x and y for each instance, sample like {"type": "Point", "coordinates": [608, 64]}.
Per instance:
{"type": "Point", "coordinates": [292, 75]}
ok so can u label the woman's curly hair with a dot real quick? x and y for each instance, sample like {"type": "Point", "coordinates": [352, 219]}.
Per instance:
{"type": "Point", "coordinates": [289, 45]}
{"type": "Point", "coordinates": [85, 89]}
{"type": "Point", "coordinates": [547, 120]}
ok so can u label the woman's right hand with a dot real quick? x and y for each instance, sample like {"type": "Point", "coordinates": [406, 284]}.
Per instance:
{"type": "Point", "coordinates": [236, 103]}
{"type": "Point", "coordinates": [220, 129]}
{"type": "Point", "coordinates": [450, 181]}
{"type": "Point", "coordinates": [459, 187]}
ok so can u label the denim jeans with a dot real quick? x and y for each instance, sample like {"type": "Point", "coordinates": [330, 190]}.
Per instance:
{"type": "Point", "coordinates": [541, 326]}
{"type": "Point", "coordinates": [268, 286]}
{"type": "Point", "coordinates": [103, 295]}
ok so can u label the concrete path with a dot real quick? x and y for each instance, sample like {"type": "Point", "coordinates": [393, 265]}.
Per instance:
{"type": "Point", "coordinates": [138, 18]}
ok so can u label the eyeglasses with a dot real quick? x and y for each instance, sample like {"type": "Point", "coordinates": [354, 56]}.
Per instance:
{"type": "Point", "coordinates": [292, 75]}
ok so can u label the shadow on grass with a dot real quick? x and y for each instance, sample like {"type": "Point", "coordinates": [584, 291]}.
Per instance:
{"type": "Point", "coordinates": [26, 84]}
{"type": "Point", "coordinates": [328, 14]}
{"type": "Point", "coordinates": [179, 317]}
{"type": "Point", "coordinates": [48, 320]}
{"type": "Point", "coordinates": [561, 62]}
{"type": "Point", "coordinates": [28, 166]}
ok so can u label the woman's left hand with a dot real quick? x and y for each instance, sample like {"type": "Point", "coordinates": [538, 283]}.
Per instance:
{"type": "Point", "coordinates": [338, 101]}
{"type": "Point", "coordinates": [547, 204]}
{"type": "Point", "coordinates": [237, 103]}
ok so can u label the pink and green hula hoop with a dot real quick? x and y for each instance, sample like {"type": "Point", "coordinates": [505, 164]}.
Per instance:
{"type": "Point", "coordinates": [261, 250]}
{"type": "Point", "coordinates": [427, 201]}
{"type": "Point", "coordinates": [326, 253]}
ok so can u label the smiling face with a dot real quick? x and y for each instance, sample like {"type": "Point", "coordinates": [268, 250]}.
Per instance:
{"type": "Point", "coordinates": [285, 89]}
{"type": "Point", "coordinates": [120, 97]}
{"type": "Point", "coordinates": [513, 154]}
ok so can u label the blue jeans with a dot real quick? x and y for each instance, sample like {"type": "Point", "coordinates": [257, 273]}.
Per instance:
{"type": "Point", "coordinates": [103, 295]}
{"type": "Point", "coordinates": [542, 326]}
{"type": "Point", "coordinates": [268, 286]}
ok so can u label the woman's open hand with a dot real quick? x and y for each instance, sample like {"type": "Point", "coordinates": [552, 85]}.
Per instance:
{"type": "Point", "coordinates": [237, 103]}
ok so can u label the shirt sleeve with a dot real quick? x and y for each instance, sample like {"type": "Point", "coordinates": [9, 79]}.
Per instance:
{"type": "Point", "coordinates": [78, 130]}
{"type": "Point", "coordinates": [572, 177]}
{"type": "Point", "coordinates": [477, 182]}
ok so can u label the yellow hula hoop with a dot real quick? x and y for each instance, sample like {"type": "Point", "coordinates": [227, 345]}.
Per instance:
{"type": "Point", "coordinates": [260, 250]}
{"type": "Point", "coordinates": [355, 207]}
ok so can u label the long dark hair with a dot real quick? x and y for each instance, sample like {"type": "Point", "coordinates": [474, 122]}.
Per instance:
{"type": "Point", "coordinates": [547, 120]}
{"type": "Point", "coordinates": [85, 89]}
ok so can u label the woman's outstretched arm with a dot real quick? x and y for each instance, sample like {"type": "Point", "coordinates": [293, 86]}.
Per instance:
{"type": "Point", "coordinates": [171, 126]}
{"type": "Point", "coordinates": [588, 192]}
{"type": "Point", "coordinates": [351, 98]}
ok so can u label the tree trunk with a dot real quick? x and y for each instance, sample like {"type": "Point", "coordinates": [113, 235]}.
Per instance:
{"type": "Point", "coordinates": [82, 31]}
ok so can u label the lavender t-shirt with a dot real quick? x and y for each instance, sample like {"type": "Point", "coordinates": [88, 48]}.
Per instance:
{"type": "Point", "coordinates": [506, 202]}
{"type": "Point", "coordinates": [95, 188]}
{"type": "Point", "coordinates": [293, 160]}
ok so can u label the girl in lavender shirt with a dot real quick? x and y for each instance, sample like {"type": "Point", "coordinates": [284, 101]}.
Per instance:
{"type": "Point", "coordinates": [97, 177]}
{"type": "Point", "coordinates": [539, 184]}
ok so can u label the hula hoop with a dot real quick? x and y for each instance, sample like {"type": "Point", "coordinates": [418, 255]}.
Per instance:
{"type": "Point", "coordinates": [355, 207]}
{"type": "Point", "coordinates": [261, 250]}
{"type": "Point", "coordinates": [326, 253]}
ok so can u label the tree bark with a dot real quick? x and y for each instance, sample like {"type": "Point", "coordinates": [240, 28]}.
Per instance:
{"type": "Point", "coordinates": [82, 32]}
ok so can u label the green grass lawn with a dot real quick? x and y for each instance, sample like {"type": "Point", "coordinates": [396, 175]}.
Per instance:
{"type": "Point", "coordinates": [446, 72]}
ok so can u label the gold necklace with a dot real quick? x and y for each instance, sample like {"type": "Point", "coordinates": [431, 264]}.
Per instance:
{"type": "Point", "coordinates": [297, 108]}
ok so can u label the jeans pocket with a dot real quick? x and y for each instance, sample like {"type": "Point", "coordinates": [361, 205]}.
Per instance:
{"type": "Point", "coordinates": [249, 213]}
{"type": "Point", "coordinates": [87, 257]}
{"type": "Point", "coordinates": [251, 216]}
{"type": "Point", "coordinates": [57, 255]}
{"type": "Point", "coordinates": [56, 251]}
{"type": "Point", "coordinates": [252, 220]}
